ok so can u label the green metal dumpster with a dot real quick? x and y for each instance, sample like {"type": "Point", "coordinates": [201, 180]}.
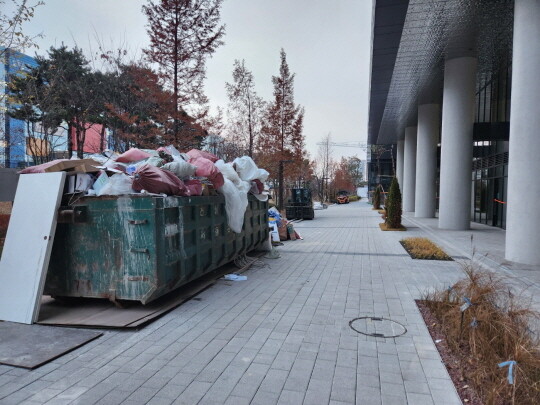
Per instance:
{"type": "Point", "coordinates": [139, 248]}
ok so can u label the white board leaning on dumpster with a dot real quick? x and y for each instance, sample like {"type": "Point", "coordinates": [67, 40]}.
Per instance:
{"type": "Point", "coordinates": [28, 245]}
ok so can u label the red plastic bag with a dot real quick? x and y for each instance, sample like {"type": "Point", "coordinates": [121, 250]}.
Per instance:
{"type": "Point", "coordinates": [260, 185]}
{"type": "Point", "coordinates": [195, 153]}
{"type": "Point", "coordinates": [133, 155]}
{"type": "Point", "coordinates": [155, 180]}
{"type": "Point", "coordinates": [194, 186]}
{"type": "Point", "coordinates": [205, 168]}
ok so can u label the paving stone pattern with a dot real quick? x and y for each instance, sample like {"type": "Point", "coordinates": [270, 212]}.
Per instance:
{"type": "Point", "coordinates": [281, 337]}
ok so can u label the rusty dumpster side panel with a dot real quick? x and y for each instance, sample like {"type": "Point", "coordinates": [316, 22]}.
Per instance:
{"type": "Point", "coordinates": [139, 248]}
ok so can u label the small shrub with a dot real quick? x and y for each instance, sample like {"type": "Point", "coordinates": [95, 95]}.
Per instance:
{"type": "Point", "coordinates": [377, 198]}
{"type": "Point", "coordinates": [495, 329]}
{"type": "Point", "coordinates": [423, 248]}
{"type": "Point", "coordinates": [353, 198]}
{"type": "Point", "coordinates": [393, 206]}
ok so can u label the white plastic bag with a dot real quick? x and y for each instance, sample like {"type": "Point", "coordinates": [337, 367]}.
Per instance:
{"type": "Point", "coordinates": [118, 184]}
{"type": "Point", "coordinates": [248, 170]}
{"type": "Point", "coordinates": [228, 171]}
{"type": "Point", "coordinates": [171, 150]}
{"type": "Point", "coordinates": [262, 175]}
{"type": "Point", "coordinates": [236, 202]}
{"type": "Point", "coordinates": [182, 169]}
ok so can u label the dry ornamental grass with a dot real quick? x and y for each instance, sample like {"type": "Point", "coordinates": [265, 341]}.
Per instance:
{"type": "Point", "coordinates": [495, 329]}
{"type": "Point", "coordinates": [423, 248]}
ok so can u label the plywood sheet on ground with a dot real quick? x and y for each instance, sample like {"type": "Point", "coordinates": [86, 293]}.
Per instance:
{"type": "Point", "coordinates": [28, 244]}
{"type": "Point", "coordinates": [30, 346]}
{"type": "Point", "coordinates": [104, 314]}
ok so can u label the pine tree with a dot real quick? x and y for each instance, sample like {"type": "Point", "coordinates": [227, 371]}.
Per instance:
{"type": "Point", "coordinates": [74, 89]}
{"type": "Point", "coordinates": [393, 206]}
{"type": "Point", "coordinates": [377, 198]}
{"type": "Point", "coordinates": [282, 139]}
{"type": "Point", "coordinates": [183, 34]}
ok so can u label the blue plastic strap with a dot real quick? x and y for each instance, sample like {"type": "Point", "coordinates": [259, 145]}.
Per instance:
{"type": "Point", "coordinates": [467, 304]}
{"type": "Point", "coordinates": [474, 323]}
{"type": "Point", "coordinates": [510, 364]}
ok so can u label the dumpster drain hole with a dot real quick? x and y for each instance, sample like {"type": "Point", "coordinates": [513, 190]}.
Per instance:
{"type": "Point", "coordinates": [377, 327]}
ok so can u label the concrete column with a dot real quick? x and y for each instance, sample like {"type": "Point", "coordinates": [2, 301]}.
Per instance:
{"type": "Point", "coordinates": [399, 162]}
{"type": "Point", "coordinates": [426, 160]}
{"type": "Point", "coordinates": [523, 199]}
{"type": "Point", "coordinates": [457, 143]}
{"type": "Point", "coordinates": [409, 169]}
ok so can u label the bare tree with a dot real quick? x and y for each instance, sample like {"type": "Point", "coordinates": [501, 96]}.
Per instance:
{"type": "Point", "coordinates": [324, 167]}
{"type": "Point", "coordinates": [245, 106]}
{"type": "Point", "coordinates": [11, 33]}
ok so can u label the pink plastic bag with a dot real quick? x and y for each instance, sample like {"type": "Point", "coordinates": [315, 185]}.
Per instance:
{"type": "Point", "coordinates": [132, 155]}
{"type": "Point", "coordinates": [205, 168]}
{"type": "Point", "coordinates": [194, 186]}
{"type": "Point", "coordinates": [155, 180]}
{"type": "Point", "coordinates": [195, 153]}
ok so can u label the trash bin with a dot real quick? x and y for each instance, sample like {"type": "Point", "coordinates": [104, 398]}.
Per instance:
{"type": "Point", "coordinates": [139, 248]}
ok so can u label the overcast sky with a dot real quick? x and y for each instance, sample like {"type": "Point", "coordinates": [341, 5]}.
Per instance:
{"type": "Point", "coordinates": [327, 44]}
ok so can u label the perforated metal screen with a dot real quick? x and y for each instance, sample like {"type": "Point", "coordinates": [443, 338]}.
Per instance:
{"type": "Point", "coordinates": [433, 30]}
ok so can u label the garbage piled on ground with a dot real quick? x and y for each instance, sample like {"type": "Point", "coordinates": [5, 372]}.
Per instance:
{"type": "Point", "coordinates": [165, 171]}
{"type": "Point", "coordinates": [281, 229]}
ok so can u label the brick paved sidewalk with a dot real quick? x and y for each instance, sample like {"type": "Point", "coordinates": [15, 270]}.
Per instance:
{"type": "Point", "coordinates": [281, 337]}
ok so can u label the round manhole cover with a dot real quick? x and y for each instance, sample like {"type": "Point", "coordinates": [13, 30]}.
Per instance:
{"type": "Point", "coordinates": [377, 327]}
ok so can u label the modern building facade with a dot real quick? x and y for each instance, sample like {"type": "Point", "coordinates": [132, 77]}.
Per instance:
{"type": "Point", "coordinates": [456, 87]}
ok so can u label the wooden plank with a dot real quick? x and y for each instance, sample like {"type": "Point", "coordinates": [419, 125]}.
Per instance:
{"type": "Point", "coordinates": [27, 249]}
{"type": "Point", "coordinates": [104, 314]}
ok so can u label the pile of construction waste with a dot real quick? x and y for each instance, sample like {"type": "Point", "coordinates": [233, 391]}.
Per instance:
{"type": "Point", "coordinates": [164, 171]}
{"type": "Point", "coordinates": [281, 228]}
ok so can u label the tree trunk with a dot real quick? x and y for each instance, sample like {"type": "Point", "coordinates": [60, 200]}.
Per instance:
{"type": "Point", "coordinates": [250, 126]}
{"type": "Point", "coordinates": [70, 140]}
{"type": "Point", "coordinates": [102, 139]}
{"type": "Point", "coordinates": [176, 45]}
{"type": "Point", "coordinates": [78, 146]}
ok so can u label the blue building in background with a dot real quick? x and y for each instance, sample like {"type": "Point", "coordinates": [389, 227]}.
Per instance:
{"type": "Point", "coordinates": [13, 132]}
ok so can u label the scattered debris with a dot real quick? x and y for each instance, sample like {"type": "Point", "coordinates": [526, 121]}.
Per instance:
{"type": "Point", "coordinates": [234, 277]}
